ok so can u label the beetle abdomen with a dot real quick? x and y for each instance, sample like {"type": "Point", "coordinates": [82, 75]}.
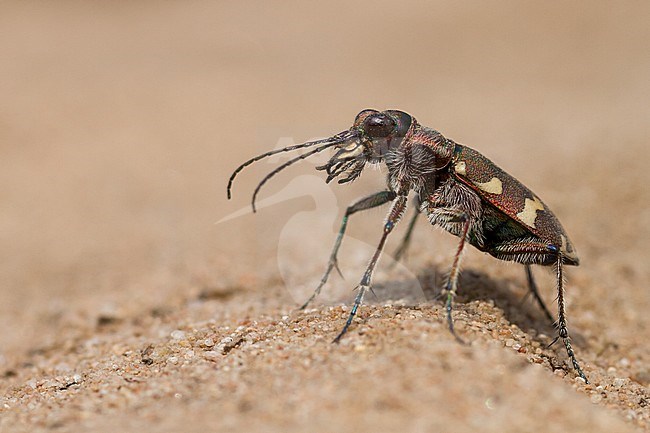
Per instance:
{"type": "Point", "coordinates": [512, 198]}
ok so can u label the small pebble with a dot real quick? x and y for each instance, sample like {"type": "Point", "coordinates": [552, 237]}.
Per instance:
{"type": "Point", "coordinates": [178, 335]}
{"type": "Point", "coordinates": [212, 355]}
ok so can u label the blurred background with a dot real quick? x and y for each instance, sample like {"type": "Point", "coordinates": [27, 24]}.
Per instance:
{"type": "Point", "coordinates": [120, 123]}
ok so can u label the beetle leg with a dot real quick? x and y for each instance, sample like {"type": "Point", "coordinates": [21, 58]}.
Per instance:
{"type": "Point", "coordinates": [563, 331]}
{"type": "Point", "coordinates": [529, 251]}
{"type": "Point", "coordinates": [406, 240]}
{"type": "Point", "coordinates": [365, 203]}
{"type": "Point", "coordinates": [452, 282]}
{"type": "Point", "coordinates": [532, 290]}
{"type": "Point", "coordinates": [394, 215]}
{"type": "Point", "coordinates": [525, 250]}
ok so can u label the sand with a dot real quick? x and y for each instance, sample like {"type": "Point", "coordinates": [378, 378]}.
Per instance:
{"type": "Point", "coordinates": [135, 297]}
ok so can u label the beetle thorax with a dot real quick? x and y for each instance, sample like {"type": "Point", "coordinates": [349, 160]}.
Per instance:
{"type": "Point", "coordinates": [421, 155]}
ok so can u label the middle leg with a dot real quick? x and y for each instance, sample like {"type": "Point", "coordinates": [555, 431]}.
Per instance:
{"type": "Point", "coordinates": [451, 288]}
{"type": "Point", "coordinates": [458, 222]}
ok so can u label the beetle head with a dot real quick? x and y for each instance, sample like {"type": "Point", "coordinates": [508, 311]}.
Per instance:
{"type": "Point", "coordinates": [381, 132]}
{"type": "Point", "coordinates": [373, 135]}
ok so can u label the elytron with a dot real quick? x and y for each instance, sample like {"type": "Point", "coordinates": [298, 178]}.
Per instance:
{"type": "Point", "coordinates": [456, 187]}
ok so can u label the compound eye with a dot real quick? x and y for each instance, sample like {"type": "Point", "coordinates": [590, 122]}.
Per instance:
{"type": "Point", "coordinates": [364, 115]}
{"type": "Point", "coordinates": [379, 125]}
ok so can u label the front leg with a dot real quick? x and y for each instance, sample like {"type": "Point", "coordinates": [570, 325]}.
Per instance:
{"type": "Point", "coordinates": [406, 240]}
{"type": "Point", "coordinates": [365, 203]}
{"type": "Point", "coordinates": [394, 214]}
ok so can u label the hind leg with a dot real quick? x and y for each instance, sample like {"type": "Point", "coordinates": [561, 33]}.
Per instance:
{"type": "Point", "coordinates": [534, 251]}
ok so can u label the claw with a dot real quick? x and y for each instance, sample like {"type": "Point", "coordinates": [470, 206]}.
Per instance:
{"type": "Point", "coordinates": [450, 320]}
{"type": "Point", "coordinates": [335, 264]}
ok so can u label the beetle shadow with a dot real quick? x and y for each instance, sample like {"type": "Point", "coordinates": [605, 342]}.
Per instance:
{"type": "Point", "coordinates": [518, 307]}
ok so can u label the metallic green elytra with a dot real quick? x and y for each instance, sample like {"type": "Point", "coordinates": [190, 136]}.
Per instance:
{"type": "Point", "coordinates": [456, 187]}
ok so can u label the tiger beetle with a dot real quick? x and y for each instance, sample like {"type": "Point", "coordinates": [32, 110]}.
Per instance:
{"type": "Point", "coordinates": [456, 187]}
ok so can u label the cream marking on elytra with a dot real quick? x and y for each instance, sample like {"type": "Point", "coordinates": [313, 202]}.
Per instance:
{"type": "Point", "coordinates": [529, 214]}
{"type": "Point", "coordinates": [494, 186]}
{"type": "Point", "coordinates": [461, 168]}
